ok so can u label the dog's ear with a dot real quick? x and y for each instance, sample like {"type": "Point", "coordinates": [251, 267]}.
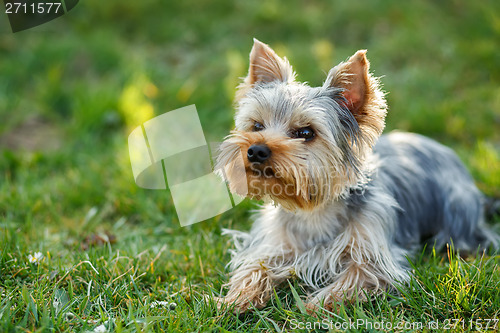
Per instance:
{"type": "Point", "coordinates": [265, 66]}
{"type": "Point", "coordinates": [352, 76]}
{"type": "Point", "coordinates": [361, 91]}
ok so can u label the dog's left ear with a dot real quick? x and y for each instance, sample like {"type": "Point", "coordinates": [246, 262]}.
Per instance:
{"type": "Point", "coordinates": [361, 91]}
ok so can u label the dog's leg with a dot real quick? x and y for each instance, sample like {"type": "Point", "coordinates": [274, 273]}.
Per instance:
{"type": "Point", "coordinates": [258, 266]}
{"type": "Point", "coordinates": [354, 283]}
{"type": "Point", "coordinates": [366, 264]}
{"type": "Point", "coordinates": [251, 285]}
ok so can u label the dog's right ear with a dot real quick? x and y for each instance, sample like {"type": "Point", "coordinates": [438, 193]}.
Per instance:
{"type": "Point", "coordinates": [361, 94]}
{"type": "Point", "coordinates": [265, 66]}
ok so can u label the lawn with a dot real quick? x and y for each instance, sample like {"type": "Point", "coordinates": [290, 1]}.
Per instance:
{"type": "Point", "coordinates": [83, 248]}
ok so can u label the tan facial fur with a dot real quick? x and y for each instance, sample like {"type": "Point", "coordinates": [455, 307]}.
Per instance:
{"type": "Point", "coordinates": [279, 178]}
{"type": "Point", "coordinates": [299, 174]}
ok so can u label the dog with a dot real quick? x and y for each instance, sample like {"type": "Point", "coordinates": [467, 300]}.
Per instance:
{"type": "Point", "coordinates": [345, 204]}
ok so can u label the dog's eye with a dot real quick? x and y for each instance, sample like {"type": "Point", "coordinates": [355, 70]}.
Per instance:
{"type": "Point", "coordinates": [305, 133]}
{"type": "Point", "coordinates": [258, 127]}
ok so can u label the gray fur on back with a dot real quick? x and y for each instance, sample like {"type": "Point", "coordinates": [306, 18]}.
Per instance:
{"type": "Point", "coordinates": [437, 197]}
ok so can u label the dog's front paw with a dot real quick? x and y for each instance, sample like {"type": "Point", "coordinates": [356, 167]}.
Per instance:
{"type": "Point", "coordinates": [331, 303]}
{"type": "Point", "coordinates": [248, 289]}
{"type": "Point", "coordinates": [241, 302]}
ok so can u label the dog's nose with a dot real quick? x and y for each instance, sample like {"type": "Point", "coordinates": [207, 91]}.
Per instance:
{"type": "Point", "coordinates": [258, 153]}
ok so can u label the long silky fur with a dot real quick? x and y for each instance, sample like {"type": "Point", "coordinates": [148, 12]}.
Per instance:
{"type": "Point", "coordinates": [360, 204]}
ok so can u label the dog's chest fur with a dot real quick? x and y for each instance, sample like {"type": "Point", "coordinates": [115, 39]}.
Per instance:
{"type": "Point", "coordinates": [305, 230]}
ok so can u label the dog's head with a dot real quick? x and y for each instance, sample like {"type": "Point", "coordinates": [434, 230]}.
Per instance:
{"type": "Point", "coordinates": [301, 145]}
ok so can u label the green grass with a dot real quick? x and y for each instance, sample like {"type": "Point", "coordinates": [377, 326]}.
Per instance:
{"type": "Point", "coordinates": [71, 92]}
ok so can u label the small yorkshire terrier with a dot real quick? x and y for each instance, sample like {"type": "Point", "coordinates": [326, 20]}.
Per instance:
{"type": "Point", "coordinates": [348, 206]}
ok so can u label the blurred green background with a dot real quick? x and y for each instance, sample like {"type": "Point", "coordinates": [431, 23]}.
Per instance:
{"type": "Point", "coordinates": [73, 89]}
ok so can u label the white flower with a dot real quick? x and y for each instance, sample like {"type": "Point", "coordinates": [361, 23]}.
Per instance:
{"type": "Point", "coordinates": [163, 304]}
{"type": "Point", "coordinates": [158, 304]}
{"type": "Point", "coordinates": [36, 258]}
